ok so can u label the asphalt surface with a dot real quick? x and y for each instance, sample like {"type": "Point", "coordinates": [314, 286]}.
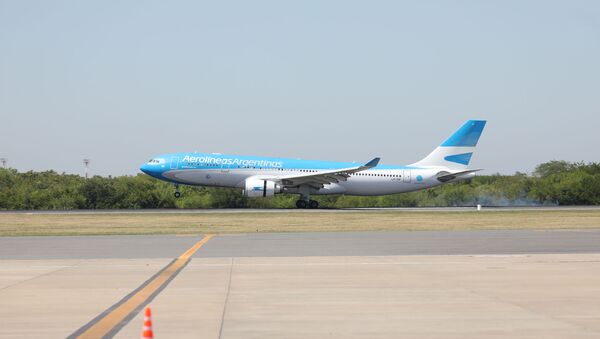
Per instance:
{"type": "Point", "coordinates": [94, 247]}
{"type": "Point", "coordinates": [320, 210]}
{"type": "Point", "coordinates": [306, 244]}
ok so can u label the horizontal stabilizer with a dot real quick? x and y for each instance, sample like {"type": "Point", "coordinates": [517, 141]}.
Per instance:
{"type": "Point", "coordinates": [445, 176]}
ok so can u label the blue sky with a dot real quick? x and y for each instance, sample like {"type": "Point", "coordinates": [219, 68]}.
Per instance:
{"type": "Point", "coordinates": [119, 82]}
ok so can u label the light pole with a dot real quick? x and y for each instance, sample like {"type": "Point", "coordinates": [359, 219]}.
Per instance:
{"type": "Point", "coordinates": [3, 161]}
{"type": "Point", "coordinates": [86, 162]}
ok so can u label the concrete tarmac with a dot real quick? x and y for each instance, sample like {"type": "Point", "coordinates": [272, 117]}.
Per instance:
{"type": "Point", "coordinates": [432, 284]}
{"type": "Point", "coordinates": [536, 296]}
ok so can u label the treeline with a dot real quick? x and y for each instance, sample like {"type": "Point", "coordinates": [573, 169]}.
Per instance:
{"type": "Point", "coordinates": [552, 183]}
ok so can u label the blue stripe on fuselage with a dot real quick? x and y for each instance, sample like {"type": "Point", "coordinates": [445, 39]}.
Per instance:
{"type": "Point", "coordinates": [209, 161]}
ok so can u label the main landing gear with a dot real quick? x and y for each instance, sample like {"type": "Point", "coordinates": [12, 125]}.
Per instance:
{"type": "Point", "coordinates": [304, 203]}
{"type": "Point", "coordinates": [177, 194]}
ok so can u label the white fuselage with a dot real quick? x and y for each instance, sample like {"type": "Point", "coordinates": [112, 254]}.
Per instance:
{"type": "Point", "coordinates": [370, 182]}
{"type": "Point", "coordinates": [264, 176]}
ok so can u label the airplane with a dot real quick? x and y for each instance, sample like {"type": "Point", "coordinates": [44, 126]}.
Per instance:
{"type": "Point", "coordinates": [261, 177]}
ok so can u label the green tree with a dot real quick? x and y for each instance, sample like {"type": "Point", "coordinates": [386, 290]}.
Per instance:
{"type": "Point", "coordinates": [553, 167]}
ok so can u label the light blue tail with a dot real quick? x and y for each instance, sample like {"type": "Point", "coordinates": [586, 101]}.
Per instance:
{"type": "Point", "coordinates": [455, 153]}
{"type": "Point", "coordinates": [467, 135]}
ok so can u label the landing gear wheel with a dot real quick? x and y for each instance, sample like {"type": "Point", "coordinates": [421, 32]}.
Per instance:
{"type": "Point", "coordinates": [313, 204]}
{"type": "Point", "coordinates": [177, 194]}
{"type": "Point", "coordinates": [301, 203]}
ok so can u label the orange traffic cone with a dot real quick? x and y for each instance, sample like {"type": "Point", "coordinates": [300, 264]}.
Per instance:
{"type": "Point", "coordinates": [147, 330]}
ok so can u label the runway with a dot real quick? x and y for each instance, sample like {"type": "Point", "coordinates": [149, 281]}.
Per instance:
{"type": "Point", "coordinates": [307, 244]}
{"type": "Point", "coordinates": [320, 210]}
{"type": "Point", "coordinates": [442, 284]}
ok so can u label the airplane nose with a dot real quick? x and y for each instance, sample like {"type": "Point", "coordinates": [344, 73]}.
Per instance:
{"type": "Point", "coordinates": [152, 170]}
{"type": "Point", "coordinates": [146, 169]}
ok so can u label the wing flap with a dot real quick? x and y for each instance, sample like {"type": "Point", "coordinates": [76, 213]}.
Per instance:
{"type": "Point", "coordinates": [318, 179]}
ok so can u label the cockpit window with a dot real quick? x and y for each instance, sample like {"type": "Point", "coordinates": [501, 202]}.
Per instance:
{"type": "Point", "coordinates": [156, 161]}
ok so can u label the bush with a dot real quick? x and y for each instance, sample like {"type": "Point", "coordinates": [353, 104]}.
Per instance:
{"type": "Point", "coordinates": [554, 182]}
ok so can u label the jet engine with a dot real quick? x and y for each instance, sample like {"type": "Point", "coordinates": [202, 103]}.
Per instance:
{"type": "Point", "coordinates": [256, 188]}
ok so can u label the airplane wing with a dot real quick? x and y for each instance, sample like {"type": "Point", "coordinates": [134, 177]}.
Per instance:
{"type": "Point", "coordinates": [317, 180]}
{"type": "Point", "coordinates": [446, 176]}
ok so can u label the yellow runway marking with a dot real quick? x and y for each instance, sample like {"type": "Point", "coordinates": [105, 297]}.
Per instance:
{"type": "Point", "coordinates": [104, 325]}
{"type": "Point", "coordinates": [187, 254]}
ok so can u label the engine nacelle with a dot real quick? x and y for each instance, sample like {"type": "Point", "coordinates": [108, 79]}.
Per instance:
{"type": "Point", "coordinates": [258, 188]}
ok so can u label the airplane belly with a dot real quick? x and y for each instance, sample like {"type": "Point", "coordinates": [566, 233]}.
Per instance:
{"type": "Point", "coordinates": [233, 179]}
{"type": "Point", "coordinates": [206, 177]}
{"type": "Point", "coordinates": [191, 177]}
{"type": "Point", "coordinates": [370, 187]}
{"type": "Point", "coordinates": [197, 177]}
{"type": "Point", "coordinates": [332, 189]}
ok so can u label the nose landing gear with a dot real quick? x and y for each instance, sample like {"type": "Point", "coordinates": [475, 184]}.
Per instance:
{"type": "Point", "coordinates": [177, 194]}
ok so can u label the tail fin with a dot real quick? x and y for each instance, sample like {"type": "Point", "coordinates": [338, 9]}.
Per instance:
{"type": "Point", "coordinates": [455, 153]}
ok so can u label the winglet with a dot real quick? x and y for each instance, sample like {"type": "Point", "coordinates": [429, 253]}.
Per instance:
{"type": "Point", "coordinates": [372, 163]}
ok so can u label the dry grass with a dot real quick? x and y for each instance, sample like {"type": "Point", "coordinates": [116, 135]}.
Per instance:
{"type": "Point", "coordinates": [293, 221]}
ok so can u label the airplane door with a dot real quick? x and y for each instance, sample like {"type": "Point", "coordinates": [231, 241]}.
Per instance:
{"type": "Point", "coordinates": [174, 162]}
{"type": "Point", "coordinates": [224, 168]}
{"type": "Point", "coordinates": [406, 176]}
